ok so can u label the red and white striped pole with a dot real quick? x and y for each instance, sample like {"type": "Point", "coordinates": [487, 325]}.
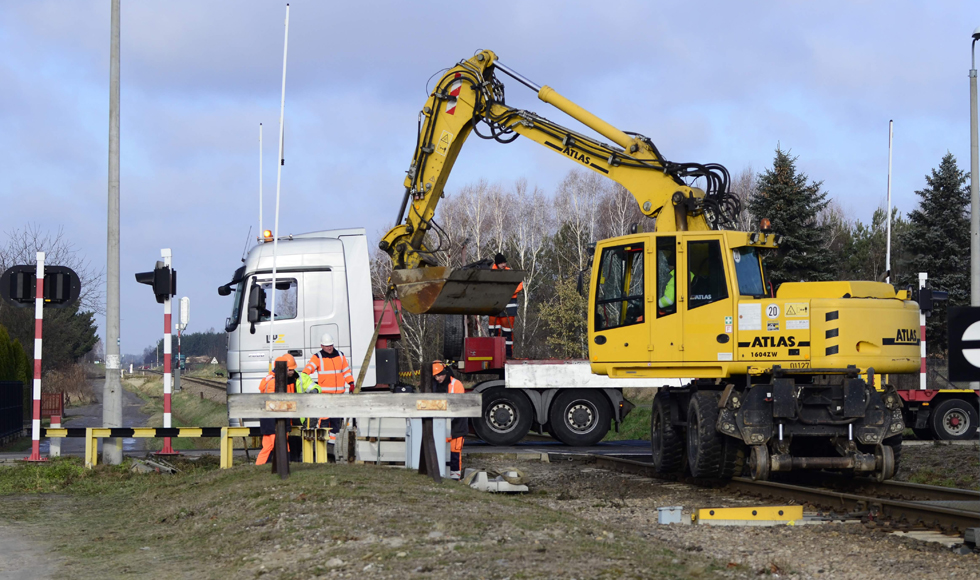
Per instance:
{"type": "Point", "coordinates": [922, 336]}
{"type": "Point", "coordinates": [38, 319]}
{"type": "Point", "coordinates": [167, 325]}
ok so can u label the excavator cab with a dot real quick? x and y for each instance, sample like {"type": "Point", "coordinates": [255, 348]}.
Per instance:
{"type": "Point", "coordinates": [443, 290]}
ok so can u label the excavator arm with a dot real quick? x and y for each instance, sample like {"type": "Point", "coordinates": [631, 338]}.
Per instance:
{"type": "Point", "coordinates": [470, 96]}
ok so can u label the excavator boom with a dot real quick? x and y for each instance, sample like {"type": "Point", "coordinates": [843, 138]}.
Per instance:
{"type": "Point", "coordinates": [470, 95]}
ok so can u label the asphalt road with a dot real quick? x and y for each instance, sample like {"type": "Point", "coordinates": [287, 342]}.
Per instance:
{"type": "Point", "coordinates": [91, 416]}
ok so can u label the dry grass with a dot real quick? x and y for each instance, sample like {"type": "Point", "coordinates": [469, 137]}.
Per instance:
{"type": "Point", "coordinates": [325, 521]}
{"type": "Point", "coordinates": [73, 382]}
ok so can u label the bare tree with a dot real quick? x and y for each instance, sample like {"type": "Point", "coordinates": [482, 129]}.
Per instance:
{"type": "Point", "coordinates": [743, 186]}
{"type": "Point", "coordinates": [531, 227]}
{"type": "Point", "coordinates": [23, 245]}
{"type": "Point", "coordinates": [576, 206]}
{"type": "Point", "coordinates": [618, 211]}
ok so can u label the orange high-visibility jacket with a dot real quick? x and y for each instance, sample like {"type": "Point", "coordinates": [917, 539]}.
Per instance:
{"type": "Point", "coordinates": [268, 385]}
{"type": "Point", "coordinates": [519, 286]}
{"type": "Point", "coordinates": [333, 373]}
{"type": "Point", "coordinates": [456, 386]}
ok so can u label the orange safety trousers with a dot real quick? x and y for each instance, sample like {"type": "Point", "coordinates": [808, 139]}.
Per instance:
{"type": "Point", "coordinates": [268, 444]}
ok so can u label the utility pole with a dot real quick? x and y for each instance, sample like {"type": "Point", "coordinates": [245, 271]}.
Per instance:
{"type": "Point", "coordinates": [974, 195]}
{"type": "Point", "coordinates": [112, 392]}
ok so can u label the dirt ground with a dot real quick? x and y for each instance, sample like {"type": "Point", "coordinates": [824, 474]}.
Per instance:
{"type": "Point", "coordinates": [364, 521]}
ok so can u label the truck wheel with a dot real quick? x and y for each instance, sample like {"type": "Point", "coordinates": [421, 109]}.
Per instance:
{"type": "Point", "coordinates": [506, 419]}
{"type": "Point", "coordinates": [704, 443]}
{"type": "Point", "coordinates": [954, 419]}
{"type": "Point", "coordinates": [452, 336]}
{"type": "Point", "coordinates": [580, 417]}
{"type": "Point", "coordinates": [666, 441]}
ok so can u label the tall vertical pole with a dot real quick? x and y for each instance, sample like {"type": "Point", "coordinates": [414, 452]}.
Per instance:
{"type": "Point", "coordinates": [275, 235]}
{"type": "Point", "coordinates": [923, 371]}
{"type": "Point", "coordinates": [261, 231]}
{"type": "Point", "coordinates": [112, 391]}
{"type": "Point", "coordinates": [167, 359]}
{"type": "Point", "coordinates": [974, 195]}
{"type": "Point", "coordinates": [38, 317]}
{"type": "Point", "coordinates": [888, 216]}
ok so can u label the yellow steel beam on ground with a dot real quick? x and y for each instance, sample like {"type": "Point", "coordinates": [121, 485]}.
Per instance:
{"type": "Point", "coordinates": [740, 516]}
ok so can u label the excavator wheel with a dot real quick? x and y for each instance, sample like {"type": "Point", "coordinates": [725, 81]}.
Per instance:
{"type": "Point", "coordinates": [666, 441]}
{"type": "Point", "coordinates": [705, 445]}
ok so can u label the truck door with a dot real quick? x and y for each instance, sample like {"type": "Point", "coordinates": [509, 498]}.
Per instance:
{"type": "Point", "coordinates": [287, 332]}
{"type": "Point", "coordinates": [666, 327]}
{"type": "Point", "coordinates": [620, 306]}
{"type": "Point", "coordinates": [708, 309]}
{"type": "Point", "coordinates": [325, 310]}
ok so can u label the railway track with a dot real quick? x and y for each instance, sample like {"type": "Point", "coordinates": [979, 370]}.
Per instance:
{"type": "Point", "coordinates": [899, 504]}
{"type": "Point", "coordinates": [205, 382]}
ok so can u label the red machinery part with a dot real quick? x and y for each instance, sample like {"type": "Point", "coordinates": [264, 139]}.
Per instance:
{"type": "Point", "coordinates": [484, 353]}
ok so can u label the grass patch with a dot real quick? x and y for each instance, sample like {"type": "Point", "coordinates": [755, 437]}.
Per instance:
{"type": "Point", "coordinates": [325, 520]}
{"type": "Point", "coordinates": [636, 425]}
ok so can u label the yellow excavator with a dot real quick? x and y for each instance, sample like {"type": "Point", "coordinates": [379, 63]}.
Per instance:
{"type": "Point", "coordinates": [779, 380]}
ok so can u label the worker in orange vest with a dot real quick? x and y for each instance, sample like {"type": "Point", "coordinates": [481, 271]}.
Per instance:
{"type": "Point", "coordinates": [503, 323]}
{"type": "Point", "coordinates": [446, 383]}
{"type": "Point", "coordinates": [334, 376]}
{"type": "Point", "coordinates": [268, 426]}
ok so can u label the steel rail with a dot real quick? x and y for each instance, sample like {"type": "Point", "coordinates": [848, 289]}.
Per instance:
{"type": "Point", "coordinates": [205, 382]}
{"type": "Point", "coordinates": [949, 519]}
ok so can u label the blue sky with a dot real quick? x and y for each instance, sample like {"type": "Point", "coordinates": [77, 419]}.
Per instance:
{"type": "Point", "coordinates": [712, 81]}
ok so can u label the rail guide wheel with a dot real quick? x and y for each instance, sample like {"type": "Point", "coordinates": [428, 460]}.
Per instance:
{"type": "Point", "coordinates": [884, 462]}
{"type": "Point", "coordinates": [759, 463]}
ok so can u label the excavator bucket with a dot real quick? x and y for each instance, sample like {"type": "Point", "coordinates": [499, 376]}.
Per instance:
{"type": "Point", "coordinates": [440, 290]}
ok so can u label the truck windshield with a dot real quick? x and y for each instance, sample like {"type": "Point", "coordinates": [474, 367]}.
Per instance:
{"type": "Point", "coordinates": [748, 270]}
{"type": "Point", "coordinates": [236, 307]}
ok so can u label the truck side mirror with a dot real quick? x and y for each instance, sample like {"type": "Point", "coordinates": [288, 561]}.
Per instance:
{"type": "Point", "coordinates": [580, 287]}
{"type": "Point", "coordinates": [256, 303]}
{"type": "Point", "coordinates": [224, 290]}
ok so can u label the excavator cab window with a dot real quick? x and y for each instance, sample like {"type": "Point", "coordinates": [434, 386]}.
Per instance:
{"type": "Point", "coordinates": [707, 271]}
{"type": "Point", "coordinates": [666, 288]}
{"type": "Point", "coordinates": [748, 271]}
{"type": "Point", "coordinates": [619, 293]}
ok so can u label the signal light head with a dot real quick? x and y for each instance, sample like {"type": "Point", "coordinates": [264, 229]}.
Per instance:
{"type": "Point", "coordinates": [267, 235]}
{"type": "Point", "coordinates": [765, 226]}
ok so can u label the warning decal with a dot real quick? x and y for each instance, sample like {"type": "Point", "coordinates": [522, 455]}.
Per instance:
{"type": "Point", "coordinates": [453, 93]}
{"type": "Point", "coordinates": [797, 310]}
{"type": "Point", "coordinates": [444, 141]}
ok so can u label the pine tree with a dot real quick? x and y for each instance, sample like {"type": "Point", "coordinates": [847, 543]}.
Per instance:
{"type": "Point", "coordinates": [792, 207]}
{"type": "Point", "coordinates": [938, 243]}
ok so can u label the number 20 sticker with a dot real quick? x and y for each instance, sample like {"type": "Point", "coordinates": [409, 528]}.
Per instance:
{"type": "Point", "coordinates": [772, 311]}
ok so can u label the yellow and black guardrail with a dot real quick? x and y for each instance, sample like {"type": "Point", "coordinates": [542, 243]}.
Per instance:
{"type": "Point", "coordinates": [314, 440]}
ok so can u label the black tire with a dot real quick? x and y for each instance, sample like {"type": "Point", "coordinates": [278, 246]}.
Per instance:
{"type": "Point", "coordinates": [951, 411]}
{"type": "Point", "coordinates": [506, 419]}
{"type": "Point", "coordinates": [706, 447]}
{"type": "Point", "coordinates": [452, 336]}
{"type": "Point", "coordinates": [666, 441]}
{"type": "Point", "coordinates": [580, 417]}
{"type": "Point", "coordinates": [896, 444]}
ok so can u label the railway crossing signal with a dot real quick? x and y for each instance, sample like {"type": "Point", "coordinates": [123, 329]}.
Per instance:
{"type": "Point", "coordinates": [963, 327]}
{"type": "Point", "coordinates": [18, 286]}
{"type": "Point", "coordinates": [162, 279]}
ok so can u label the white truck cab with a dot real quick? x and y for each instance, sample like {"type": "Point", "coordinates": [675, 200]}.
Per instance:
{"type": "Point", "coordinates": [323, 284]}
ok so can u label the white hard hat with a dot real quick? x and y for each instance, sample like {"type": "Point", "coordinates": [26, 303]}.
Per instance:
{"type": "Point", "coordinates": [326, 339]}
